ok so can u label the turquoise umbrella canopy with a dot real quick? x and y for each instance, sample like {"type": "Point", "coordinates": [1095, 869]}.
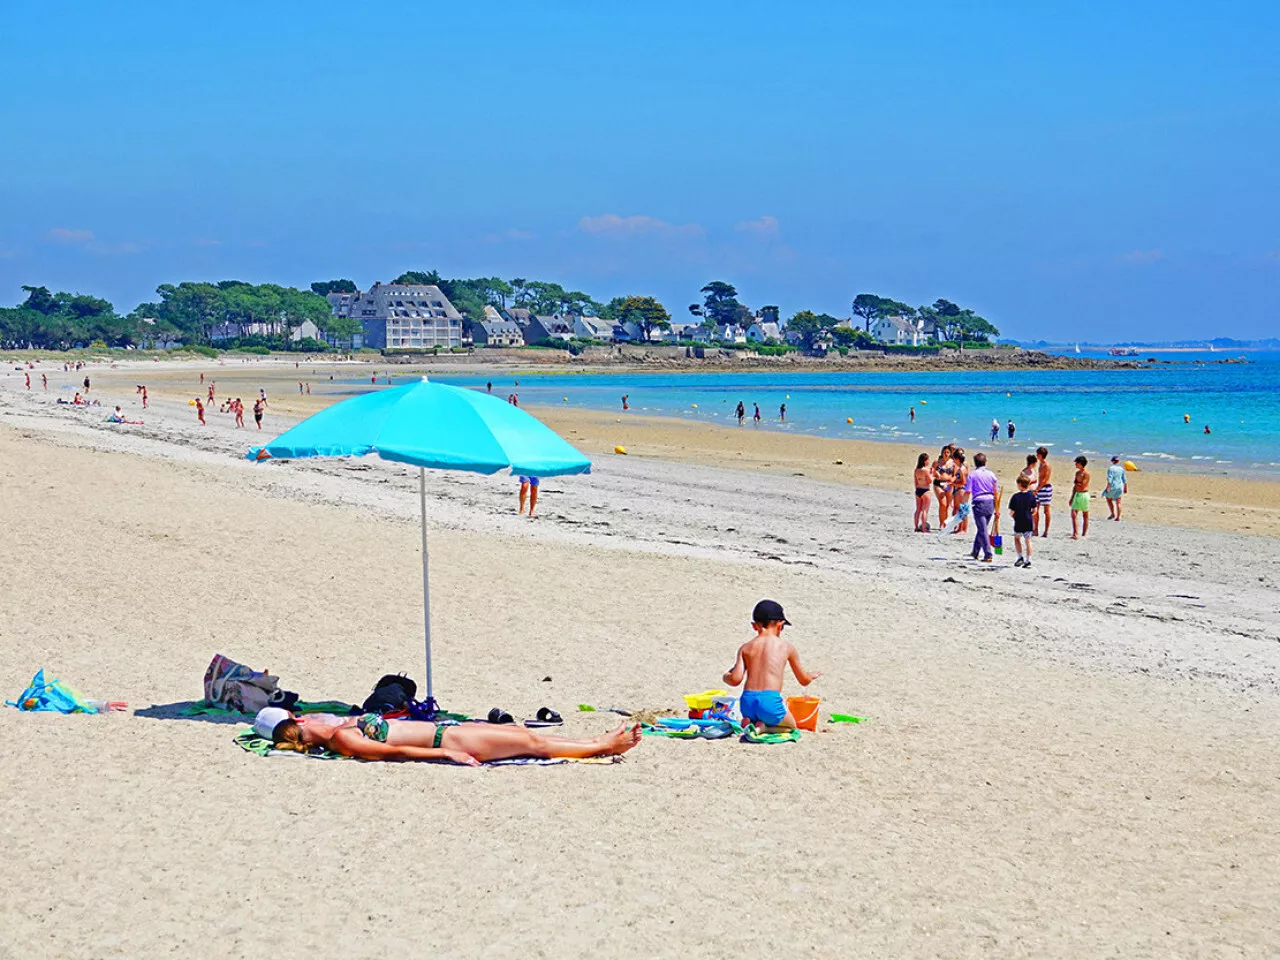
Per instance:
{"type": "Point", "coordinates": [431, 426]}
{"type": "Point", "coordinates": [435, 426]}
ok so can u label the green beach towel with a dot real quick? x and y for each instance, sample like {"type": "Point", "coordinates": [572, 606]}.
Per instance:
{"type": "Point", "coordinates": [750, 736]}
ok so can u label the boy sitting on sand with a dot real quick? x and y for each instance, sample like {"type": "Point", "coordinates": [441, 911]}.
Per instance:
{"type": "Point", "coordinates": [761, 662]}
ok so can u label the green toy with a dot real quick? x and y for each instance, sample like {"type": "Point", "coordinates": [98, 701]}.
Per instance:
{"type": "Point", "coordinates": [847, 718]}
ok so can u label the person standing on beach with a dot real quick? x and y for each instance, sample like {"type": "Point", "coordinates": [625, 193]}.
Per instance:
{"type": "Point", "coordinates": [1012, 428]}
{"type": "Point", "coordinates": [200, 411]}
{"type": "Point", "coordinates": [943, 471]}
{"type": "Point", "coordinates": [782, 412]}
{"type": "Point", "coordinates": [1030, 471]}
{"type": "Point", "coordinates": [528, 494]}
{"type": "Point", "coordinates": [1022, 505]}
{"type": "Point", "coordinates": [1117, 487]}
{"type": "Point", "coordinates": [239, 408]}
{"type": "Point", "coordinates": [86, 384]}
{"type": "Point", "coordinates": [741, 412]}
{"type": "Point", "coordinates": [257, 412]}
{"type": "Point", "coordinates": [202, 379]}
{"type": "Point", "coordinates": [923, 481]}
{"type": "Point", "coordinates": [28, 376]}
{"type": "Point", "coordinates": [144, 398]}
{"type": "Point", "coordinates": [1044, 493]}
{"type": "Point", "coordinates": [44, 380]}
{"type": "Point", "coordinates": [756, 415]}
{"type": "Point", "coordinates": [1080, 497]}
{"type": "Point", "coordinates": [960, 491]}
{"type": "Point", "coordinates": [982, 488]}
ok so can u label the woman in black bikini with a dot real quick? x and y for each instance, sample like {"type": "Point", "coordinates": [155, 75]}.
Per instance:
{"type": "Point", "coordinates": [923, 480]}
{"type": "Point", "coordinates": [943, 471]}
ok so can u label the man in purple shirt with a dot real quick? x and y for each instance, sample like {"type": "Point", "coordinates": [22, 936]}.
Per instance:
{"type": "Point", "coordinates": [982, 487]}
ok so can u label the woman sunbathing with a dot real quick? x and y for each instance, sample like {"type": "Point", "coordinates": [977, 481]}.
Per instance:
{"type": "Point", "coordinates": [371, 737]}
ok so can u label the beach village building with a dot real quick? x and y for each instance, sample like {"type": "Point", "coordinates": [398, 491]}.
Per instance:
{"type": "Point", "coordinates": [403, 316]}
{"type": "Point", "coordinates": [495, 331]}
{"type": "Point", "coordinates": [897, 331]}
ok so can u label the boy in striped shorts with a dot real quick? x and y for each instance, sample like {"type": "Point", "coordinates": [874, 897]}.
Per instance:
{"type": "Point", "coordinates": [1044, 493]}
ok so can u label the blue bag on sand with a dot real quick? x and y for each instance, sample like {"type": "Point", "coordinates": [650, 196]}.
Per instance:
{"type": "Point", "coordinates": [51, 697]}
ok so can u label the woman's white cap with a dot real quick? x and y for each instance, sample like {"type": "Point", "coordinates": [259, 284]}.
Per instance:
{"type": "Point", "coordinates": [268, 718]}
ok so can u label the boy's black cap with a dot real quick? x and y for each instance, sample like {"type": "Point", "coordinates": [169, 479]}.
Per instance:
{"type": "Point", "coordinates": [767, 611]}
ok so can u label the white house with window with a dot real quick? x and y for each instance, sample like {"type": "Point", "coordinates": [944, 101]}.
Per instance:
{"type": "Point", "coordinates": [896, 331]}
{"type": "Point", "coordinates": [764, 331]}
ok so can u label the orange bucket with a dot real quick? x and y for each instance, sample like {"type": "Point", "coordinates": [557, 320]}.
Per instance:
{"type": "Point", "coordinates": [805, 710]}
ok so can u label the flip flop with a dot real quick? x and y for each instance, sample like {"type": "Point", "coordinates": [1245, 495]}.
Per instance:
{"type": "Point", "coordinates": [498, 715]}
{"type": "Point", "coordinates": [546, 718]}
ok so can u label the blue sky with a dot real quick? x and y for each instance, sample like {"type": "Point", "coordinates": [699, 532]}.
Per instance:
{"type": "Point", "coordinates": [1074, 171]}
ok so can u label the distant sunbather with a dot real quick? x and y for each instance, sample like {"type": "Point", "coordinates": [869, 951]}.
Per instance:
{"type": "Point", "coordinates": [371, 737]}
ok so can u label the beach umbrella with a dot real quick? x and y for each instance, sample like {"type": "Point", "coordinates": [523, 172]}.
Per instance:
{"type": "Point", "coordinates": [431, 426]}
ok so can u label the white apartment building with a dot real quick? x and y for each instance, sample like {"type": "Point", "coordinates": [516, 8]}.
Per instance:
{"type": "Point", "coordinates": [403, 316]}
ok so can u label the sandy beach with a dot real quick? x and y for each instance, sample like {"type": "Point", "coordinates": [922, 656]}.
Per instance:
{"type": "Point", "coordinates": [1078, 760]}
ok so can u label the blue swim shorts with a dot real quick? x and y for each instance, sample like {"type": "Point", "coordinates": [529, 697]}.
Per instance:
{"type": "Point", "coordinates": [532, 481]}
{"type": "Point", "coordinates": [763, 706]}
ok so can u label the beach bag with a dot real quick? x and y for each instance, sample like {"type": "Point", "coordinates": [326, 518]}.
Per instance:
{"type": "Point", "coordinates": [51, 696]}
{"type": "Point", "coordinates": [234, 686]}
{"type": "Point", "coordinates": [390, 694]}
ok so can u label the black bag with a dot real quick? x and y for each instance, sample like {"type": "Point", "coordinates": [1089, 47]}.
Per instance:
{"type": "Point", "coordinates": [391, 693]}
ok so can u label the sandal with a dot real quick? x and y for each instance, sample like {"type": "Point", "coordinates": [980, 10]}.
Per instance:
{"type": "Point", "coordinates": [546, 718]}
{"type": "Point", "coordinates": [498, 715]}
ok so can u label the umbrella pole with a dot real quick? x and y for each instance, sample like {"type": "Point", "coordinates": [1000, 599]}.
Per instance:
{"type": "Point", "coordinates": [426, 589]}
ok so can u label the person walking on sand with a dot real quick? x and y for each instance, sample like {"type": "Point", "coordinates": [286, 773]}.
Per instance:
{"type": "Point", "coordinates": [144, 398]}
{"type": "Point", "coordinates": [528, 494]}
{"type": "Point", "coordinates": [923, 481]}
{"type": "Point", "coordinates": [28, 376]}
{"type": "Point", "coordinates": [1080, 498]}
{"type": "Point", "coordinates": [759, 667]}
{"type": "Point", "coordinates": [741, 412]}
{"type": "Point", "coordinates": [1044, 493]}
{"type": "Point", "coordinates": [1022, 506]}
{"type": "Point", "coordinates": [44, 380]}
{"type": "Point", "coordinates": [200, 411]}
{"type": "Point", "coordinates": [257, 412]}
{"type": "Point", "coordinates": [756, 415]}
{"type": "Point", "coordinates": [308, 389]}
{"type": "Point", "coordinates": [983, 488]}
{"type": "Point", "coordinates": [1117, 487]}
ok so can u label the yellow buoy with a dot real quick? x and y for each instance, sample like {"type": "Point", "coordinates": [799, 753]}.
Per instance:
{"type": "Point", "coordinates": [694, 405]}
{"type": "Point", "coordinates": [566, 399]}
{"type": "Point", "coordinates": [1130, 465]}
{"type": "Point", "coordinates": [622, 450]}
{"type": "Point", "coordinates": [848, 419]}
{"type": "Point", "coordinates": [924, 402]}
{"type": "Point", "coordinates": [619, 420]}
{"type": "Point", "coordinates": [1008, 394]}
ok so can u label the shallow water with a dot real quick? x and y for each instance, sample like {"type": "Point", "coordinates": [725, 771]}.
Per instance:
{"type": "Point", "coordinates": [1137, 414]}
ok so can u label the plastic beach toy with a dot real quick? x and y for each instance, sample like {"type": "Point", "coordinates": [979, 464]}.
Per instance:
{"type": "Point", "coordinates": [805, 710]}
{"type": "Point", "coordinates": [704, 700]}
{"type": "Point", "coordinates": [847, 718]}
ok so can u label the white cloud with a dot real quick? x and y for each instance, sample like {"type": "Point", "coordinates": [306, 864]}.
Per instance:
{"type": "Point", "coordinates": [765, 228]}
{"type": "Point", "coordinates": [104, 249]}
{"type": "Point", "coordinates": [70, 235]}
{"type": "Point", "coordinates": [1138, 258]}
{"type": "Point", "coordinates": [612, 225]}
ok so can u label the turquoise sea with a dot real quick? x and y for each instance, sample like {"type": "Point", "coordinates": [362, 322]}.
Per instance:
{"type": "Point", "coordinates": [1137, 414]}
